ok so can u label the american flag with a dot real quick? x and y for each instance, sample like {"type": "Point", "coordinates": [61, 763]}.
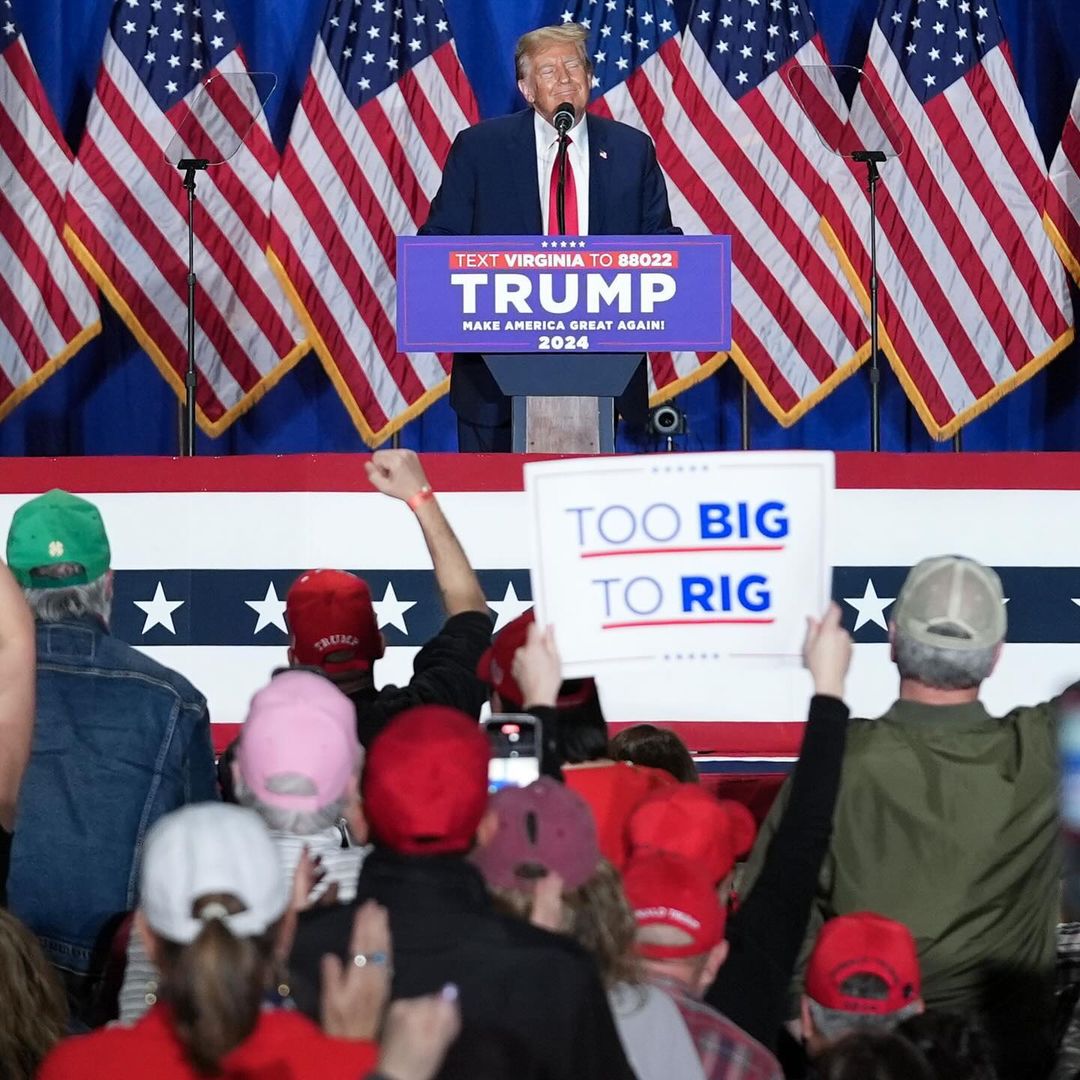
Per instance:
{"type": "Point", "coordinates": [739, 159]}
{"type": "Point", "coordinates": [385, 97]}
{"type": "Point", "coordinates": [634, 48]}
{"type": "Point", "coordinates": [974, 300]}
{"type": "Point", "coordinates": [47, 309]}
{"type": "Point", "coordinates": [127, 208]}
{"type": "Point", "coordinates": [751, 165]}
{"type": "Point", "coordinates": [1062, 215]}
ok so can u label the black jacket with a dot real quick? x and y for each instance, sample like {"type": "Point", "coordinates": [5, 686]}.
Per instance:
{"type": "Point", "coordinates": [444, 673]}
{"type": "Point", "coordinates": [539, 987]}
{"type": "Point", "coordinates": [766, 932]}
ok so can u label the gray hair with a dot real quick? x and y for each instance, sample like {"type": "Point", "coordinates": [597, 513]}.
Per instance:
{"type": "Point", "coordinates": [296, 822]}
{"type": "Point", "coordinates": [69, 601]}
{"type": "Point", "coordinates": [544, 38]}
{"type": "Point", "coordinates": [830, 1024]}
{"type": "Point", "coordinates": [939, 666]}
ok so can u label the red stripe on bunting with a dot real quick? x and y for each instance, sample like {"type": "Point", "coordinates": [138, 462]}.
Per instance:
{"type": "Point", "coordinates": [501, 472]}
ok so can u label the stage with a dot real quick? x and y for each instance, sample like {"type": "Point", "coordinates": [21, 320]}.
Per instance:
{"type": "Point", "coordinates": [204, 551]}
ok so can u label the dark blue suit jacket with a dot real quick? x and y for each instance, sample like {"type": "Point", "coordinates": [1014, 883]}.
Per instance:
{"type": "Point", "coordinates": [489, 188]}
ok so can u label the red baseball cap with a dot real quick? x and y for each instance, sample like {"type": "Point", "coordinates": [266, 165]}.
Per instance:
{"type": "Point", "coordinates": [668, 890]}
{"type": "Point", "coordinates": [425, 781]}
{"type": "Point", "coordinates": [332, 621]}
{"type": "Point", "coordinates": [494, 667]}
{"type": "Point", "coordinates": [686, 820]}
{"type": "Point", "coordinates": [863, 943]}
{"type": "Point", "coordinates": [543, 828]}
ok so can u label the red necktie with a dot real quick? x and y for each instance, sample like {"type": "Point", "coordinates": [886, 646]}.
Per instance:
{"type": "Point", "coordinates": [569, 198]}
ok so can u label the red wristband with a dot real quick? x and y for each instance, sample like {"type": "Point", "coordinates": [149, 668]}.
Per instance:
{"type": "Point", "coordinates": [414, 502]}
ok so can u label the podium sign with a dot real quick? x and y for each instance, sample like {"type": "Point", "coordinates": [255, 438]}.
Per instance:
{"type": "Point", "coordinates": [538, 294]}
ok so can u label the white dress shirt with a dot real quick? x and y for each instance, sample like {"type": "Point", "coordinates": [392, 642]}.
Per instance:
{"type": "Point", "coordinates": [577, 158]}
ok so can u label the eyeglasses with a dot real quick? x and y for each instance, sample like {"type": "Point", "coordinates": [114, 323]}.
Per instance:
{"type": "Point", "coordinates": [550, 72]}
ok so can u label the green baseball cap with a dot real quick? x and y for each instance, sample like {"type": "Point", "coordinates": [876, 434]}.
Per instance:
{"type": "Point", "coordinates": [57, 527]}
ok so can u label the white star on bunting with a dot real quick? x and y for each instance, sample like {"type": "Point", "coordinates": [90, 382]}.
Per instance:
{"type": "Point", "coordinates": [509, 607]}
{"type": "Point", "coordinates": [870, 606]}
{"type": "Point", "coordinates": [159, 610]}
{"type": "Point", "coordinates": [390, 611]}
{"type": "Point", "coordinates": [270, 609]}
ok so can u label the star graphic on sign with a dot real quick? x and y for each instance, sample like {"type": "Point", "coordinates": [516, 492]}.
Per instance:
{"type": "Point", "coordinates": [509, 607]}
{"type": "Point", "coordinates": [390, 611]}
{"type": "Point", "coordinates": [270, 609]}
{"type": "Point", "coordinates": [870, 606]}
{"type": "Point", "coordinates": [159, 611]}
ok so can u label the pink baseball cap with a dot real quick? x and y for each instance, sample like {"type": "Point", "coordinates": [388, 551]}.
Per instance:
{"type": "Point", "coordinates": [300, 725]}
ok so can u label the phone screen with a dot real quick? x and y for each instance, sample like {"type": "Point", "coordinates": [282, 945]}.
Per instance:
{"type": "Point", "coordinates": [515, 745]}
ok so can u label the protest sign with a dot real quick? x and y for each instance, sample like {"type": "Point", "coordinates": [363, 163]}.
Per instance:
{"type": "Point", "coordinates": [674, 560]}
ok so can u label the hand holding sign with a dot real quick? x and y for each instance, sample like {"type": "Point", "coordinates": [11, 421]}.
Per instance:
{"type": "Point", "coordinates": [537, 668]}
{"type": "Point", "coordinates": [827, 652]}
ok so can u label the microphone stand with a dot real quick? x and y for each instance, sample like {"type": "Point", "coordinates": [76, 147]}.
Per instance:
{"type": "Point", "coordinates": [871, 159]}
{"type": "Point", "coordinates": [190, 167]}
{"type": "Point", "coordinates": [560, 191]}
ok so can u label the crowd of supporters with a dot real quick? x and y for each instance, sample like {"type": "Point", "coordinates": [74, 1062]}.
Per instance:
{"type": "Point", "coordinates": [343, 894]}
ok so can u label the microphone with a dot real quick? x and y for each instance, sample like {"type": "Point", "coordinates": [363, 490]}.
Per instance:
{"type": "Point", "coordinates": [563, 118]}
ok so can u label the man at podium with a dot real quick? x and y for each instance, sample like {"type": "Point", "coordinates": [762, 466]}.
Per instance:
{"type": "Point", "coordinates": [492, 186]}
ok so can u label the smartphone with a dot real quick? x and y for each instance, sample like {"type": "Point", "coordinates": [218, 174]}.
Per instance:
{"type": "Point", "coordinates": [515, 750]}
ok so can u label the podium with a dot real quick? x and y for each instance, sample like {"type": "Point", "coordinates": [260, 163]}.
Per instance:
{"type": "Point", "coordinates": [562, 403]}
{"type": "Point", "coordinates": [563, 323]}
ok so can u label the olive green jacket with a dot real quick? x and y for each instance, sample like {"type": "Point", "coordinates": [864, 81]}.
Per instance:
{"type": "Point", "coordinates": [946, 820]}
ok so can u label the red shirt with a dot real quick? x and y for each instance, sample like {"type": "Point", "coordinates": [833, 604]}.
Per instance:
{"type": "Point", "coordinates": [283, 1046]}
{"type": "Point", "coordinates": [612, 791]}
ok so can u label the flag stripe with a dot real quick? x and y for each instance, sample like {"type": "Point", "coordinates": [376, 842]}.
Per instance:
{"type": "Point", "coordinates": [47, 308]}
{"type": "Point", "coordinates": [220, 227]}
{"type": "Point", "coordinates": [734, 157]}
{"type": "Point", "coordinates": [919, 248]}
{"type": "Point", "coordinates": [964, 251]}
{"type": "Point", "coordinates": [1062, 198]}
{"type": "Point", "coordinates": [27, 270]}
{"type": "Point", "coordinates": [966, 263]}
{"type": "Point", "coordinates": [402, 166]}
{"type": "Point", "coordinates": [28, 225]}
{"type": "Point", "coordinates": [146, 217]}
{"type": "Point", "coordinates": [766, 242]}
{"type": "Point", "coordinates": [128, 210]}
{"type": "Point", "coordinates": [363, 161]}
{"type": "Point", "coordinates": [17, 60]}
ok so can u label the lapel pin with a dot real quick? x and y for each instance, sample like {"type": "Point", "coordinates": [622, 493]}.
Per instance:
{"type": "Point", "coordinates": [603, 154]}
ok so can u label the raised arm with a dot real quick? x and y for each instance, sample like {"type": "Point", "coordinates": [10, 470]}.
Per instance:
{"type": "Point", "coordinates": [399, 474]}
{"type": "Point", "coordinates": [768, 930]}
{"type": "Point", "coordinates": [17, 663]}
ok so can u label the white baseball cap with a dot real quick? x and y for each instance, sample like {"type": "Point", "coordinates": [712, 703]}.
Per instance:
{"type": "Point", "coordinates": [205, 849]}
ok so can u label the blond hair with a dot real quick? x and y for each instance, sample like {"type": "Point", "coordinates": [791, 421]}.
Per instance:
{"type": "Point", "coordinates": [597, 916]}
{"type": "Point", "coordinates": [543, 38]}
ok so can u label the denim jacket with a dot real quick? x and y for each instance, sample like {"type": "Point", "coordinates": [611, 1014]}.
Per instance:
{"type": "Point", "coordinates": [119, 740]}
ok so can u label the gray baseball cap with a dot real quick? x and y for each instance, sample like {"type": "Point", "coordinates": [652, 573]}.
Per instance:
{"type": "Point", "coordinates": [951, 602]}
